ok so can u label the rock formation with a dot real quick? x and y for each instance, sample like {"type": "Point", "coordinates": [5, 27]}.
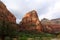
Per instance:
{"type": "Point", "coordinates": [5, 14]}
{"type": "Point", "coordinates": [31, 22]}
{"type": "Point", "coordinates": [50, 26]}
{"type": "Point", "coordinates": [56, 21]}
{"type": "Point", "coordinates": [6, 17]}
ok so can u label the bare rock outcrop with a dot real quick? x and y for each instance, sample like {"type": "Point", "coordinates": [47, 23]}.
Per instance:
{"type": "Point", "coordinates": [5, 14]}
{"type": "Point", "coordinates": [31, 22]}
{"type": "Point", "coordinates": [51, 26]}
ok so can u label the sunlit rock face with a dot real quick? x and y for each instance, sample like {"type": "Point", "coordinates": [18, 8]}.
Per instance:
{"type": "Point", "coordinates": [50, 26]}
{"type": "Point", "coordinates": [5, 14]}
{"type": "Point", "coordinates": [31, 22]}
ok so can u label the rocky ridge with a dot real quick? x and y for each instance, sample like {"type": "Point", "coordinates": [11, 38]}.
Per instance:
{"type": "Point", "coordinates": [5, 14]}
{"type": "Point", "coordinates": [51, 26]}
{"type": "Point", "coordinates": [31, 22]}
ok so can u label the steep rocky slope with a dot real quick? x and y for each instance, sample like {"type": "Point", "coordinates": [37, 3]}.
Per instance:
{"type": "Point", "coordinates": [31, 22]}
{"type": "Point", "coordinates": [7, 19]}
{"type": "Point", "coordinates": [5, 14]}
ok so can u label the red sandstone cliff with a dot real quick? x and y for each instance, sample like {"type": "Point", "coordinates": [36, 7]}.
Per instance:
{"type": "Point", "coordinates": [31, 22]}
{"type": "Point", "coordinates": [51, 26]}
{"type": "Point", "coordinates": [5, 14]}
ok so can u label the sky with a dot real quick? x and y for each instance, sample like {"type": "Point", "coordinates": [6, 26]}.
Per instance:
{"type": "Point", "coordinates": [49, 9]}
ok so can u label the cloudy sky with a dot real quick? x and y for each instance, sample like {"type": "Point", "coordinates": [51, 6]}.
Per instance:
{"type": "Point", "coordinates": [45, 8]}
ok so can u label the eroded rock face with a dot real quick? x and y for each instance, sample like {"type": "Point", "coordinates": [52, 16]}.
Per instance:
{"type": "Point", "coordinates": [31, 22]}
{"type": "Point", "coordinates": [45, 23]}
{"type": "Point", "coordinates": [5, 14]}
{"type": "Point", "coordinates": [50, 26]}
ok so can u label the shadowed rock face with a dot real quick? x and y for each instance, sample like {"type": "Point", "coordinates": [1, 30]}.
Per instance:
{"type": "Point", "coordinates": [5, 14]}
{"type": "Point", "coordinates": [31, 22]}
{"type": "Point", "coordinates": [7, 19]}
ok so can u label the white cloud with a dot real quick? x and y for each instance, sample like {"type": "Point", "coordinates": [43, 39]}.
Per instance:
{"type": "Point", "coordinates": [27, 0]}
{"type": "Point", "coordinates": [57, 6]}
{"type": "Point", "coordinates": [53, 11]}
{"type": "Point", "coordinates": [18, 20]}
{"type": "Point", "coordinates": [45, 8]}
